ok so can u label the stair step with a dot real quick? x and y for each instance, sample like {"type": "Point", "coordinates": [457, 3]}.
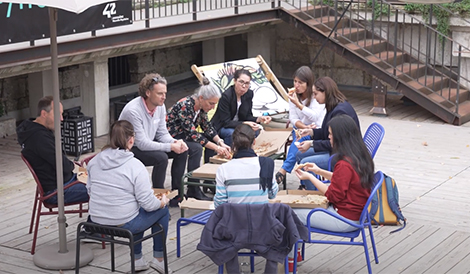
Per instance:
{"type": "Point", "coordinates": [348, 35]}
{"type": "Point", "coordinates": [386, 59]}
{"type": "Point", "coordinates": [464, 112]}
{"type": "Point", "coordinates": [408, 71]}
{"type": "Point", "coordinates": [427, 84]}
{"type": "Point", "coordinates": [326, 23]}
{"type": "Point", "coordinates": [449, 94]}
{"type": "Point", "coordinates": [368, 46]}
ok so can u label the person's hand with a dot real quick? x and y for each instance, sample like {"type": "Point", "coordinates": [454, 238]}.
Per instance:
{"type": "Point", "coordinates": [226, 147]}
{"type": "Point", "coordinates": [183, 144]}
{"type": "Point", "coordinates": [253, 125]}
{"type": "Point", "coordinates": [312, 167]}
{"type": "Point", "coordinates": [164, 200]}
{"type": "Point", "coordinates": [305, 132]}
{"type": "Point", "coordinates": [305, 145]}
{"type": "Point", "coordinates": [266, 119]}
{"type": "Point", "coordinates": [303, 175]}
{"type": "Point", "coordinates": [178, 148]}
{"type": "Point", "coordinates": [293, 98]}
{"type": "Point", "coordinates": [223, 151]}
{"type": "Point", "coordinates": [312, 126]}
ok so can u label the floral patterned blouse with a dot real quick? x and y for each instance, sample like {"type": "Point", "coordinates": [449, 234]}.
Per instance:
{"type": "Point", "coordinates": [180, 122]}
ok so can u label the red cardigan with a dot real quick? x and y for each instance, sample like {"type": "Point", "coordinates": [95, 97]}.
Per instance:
{"type": "Point", "coordinates": [345, 191]}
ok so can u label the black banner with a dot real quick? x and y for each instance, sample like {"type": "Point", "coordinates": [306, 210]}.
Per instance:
{"type": "Point", "coordinates": [24, 22]}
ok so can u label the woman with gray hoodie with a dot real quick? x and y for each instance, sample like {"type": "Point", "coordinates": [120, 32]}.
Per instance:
{"type": "Point", "coordinates": [121, 194]}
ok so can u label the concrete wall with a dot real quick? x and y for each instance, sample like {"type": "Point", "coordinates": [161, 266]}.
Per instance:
{"type": "Point", "coordinates": [293, 49]}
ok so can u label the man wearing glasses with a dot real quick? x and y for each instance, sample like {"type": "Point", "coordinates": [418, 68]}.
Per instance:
{"type": "Point", "coordinates": [153, 144]}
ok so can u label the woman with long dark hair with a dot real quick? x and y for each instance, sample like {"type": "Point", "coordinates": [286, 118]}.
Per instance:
{"type": "Point", "coordinates": [121, 194]}
{"type": "Point", "coordinates": [318, 149]}
{"type": "Point", "coordinates": [247, 178]}
{"type": "Point", "coordinates": [351, 181]}
{"type": "Point", "coordinates": [304, 113]}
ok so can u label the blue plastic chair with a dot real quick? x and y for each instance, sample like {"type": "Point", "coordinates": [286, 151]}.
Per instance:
{"type": "Point", "coordinates": [372, 139]}
{"type": "Point", "coordinates": [364, 222]}
{"type": "Point", "coordinates": [200, 219]}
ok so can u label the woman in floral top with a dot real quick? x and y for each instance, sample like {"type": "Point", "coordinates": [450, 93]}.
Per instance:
{"type": "Point", "coordinates": [185, 117]}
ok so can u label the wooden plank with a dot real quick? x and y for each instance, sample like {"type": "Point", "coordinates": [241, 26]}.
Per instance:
{"type": "Point", "coordinates": [432, 255]}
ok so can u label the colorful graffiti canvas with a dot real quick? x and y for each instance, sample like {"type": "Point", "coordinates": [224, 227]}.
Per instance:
{"type": "Point", "coordinates": [266, 100]}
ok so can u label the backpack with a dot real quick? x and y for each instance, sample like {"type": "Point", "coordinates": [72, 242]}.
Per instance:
{"type": "Point", "coordinates": [384, 208]}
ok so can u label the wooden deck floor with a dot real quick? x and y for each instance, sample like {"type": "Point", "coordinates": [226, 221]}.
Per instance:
{"type": "Point", "coordinates": [430, 161]}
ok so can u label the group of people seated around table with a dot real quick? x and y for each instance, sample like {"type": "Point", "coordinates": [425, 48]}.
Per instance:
{"type": "Point", "coordinates": [119, 189]}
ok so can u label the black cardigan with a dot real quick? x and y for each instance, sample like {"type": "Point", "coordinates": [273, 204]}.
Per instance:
{"type": "Point", "coordinates": [321, 142]}
{"type": "Point", "coordinates": [227, 108]}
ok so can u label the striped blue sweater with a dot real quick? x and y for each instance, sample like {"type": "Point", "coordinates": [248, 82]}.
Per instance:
{"type": "Point", "coordinates": [238, 182]}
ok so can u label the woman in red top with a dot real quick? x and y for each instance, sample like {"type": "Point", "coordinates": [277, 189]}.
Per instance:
{"type": "Point", "coordinates": [351, 181]}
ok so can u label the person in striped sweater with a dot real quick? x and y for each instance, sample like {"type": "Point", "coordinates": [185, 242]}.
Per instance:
{"type": "Point", "coordinates": [247, 178]}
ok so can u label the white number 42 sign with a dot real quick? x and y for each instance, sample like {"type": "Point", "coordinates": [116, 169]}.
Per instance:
{"type": "Point", "coordinates": [109, 10]}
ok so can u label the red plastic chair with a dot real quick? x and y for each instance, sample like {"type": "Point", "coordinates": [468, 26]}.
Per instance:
{"type": "Point", "coordinates": [39, 202]}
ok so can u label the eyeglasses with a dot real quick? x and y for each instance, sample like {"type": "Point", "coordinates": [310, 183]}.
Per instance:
{"type": "Point", "coordinates": [243, 83]}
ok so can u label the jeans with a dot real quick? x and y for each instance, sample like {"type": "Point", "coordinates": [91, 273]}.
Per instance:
{"type": "Point", "coordinates": [320, 158]}
{"type": "Point", "coordinates": [73, 194]}
{"type": "Point", "coordinates": [144, 221]}
{"type": "Point", "coordinates": [226, 134]}
{"type": "Point", "coordinates": [159, 161]}
{"type": "Point", "coordinates": [322, 220]}
{"type": "Point", "coordinates": [289, 163]}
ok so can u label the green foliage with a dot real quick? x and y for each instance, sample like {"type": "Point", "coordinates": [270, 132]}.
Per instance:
{"type": "Point", "coordinates": [442, 16]}
{"type": "Point", "coordinates": [330, 3]}
{"type": "Point", "coordinates": [380, 8]}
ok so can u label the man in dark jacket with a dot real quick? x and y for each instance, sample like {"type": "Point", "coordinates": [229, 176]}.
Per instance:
{"type": "Point", "coordinates": [37, 141]}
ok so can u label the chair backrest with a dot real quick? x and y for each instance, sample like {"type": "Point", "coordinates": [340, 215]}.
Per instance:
{"type": "Point", "coordinates": [373, 138]}
{"type": "Point", "coordinates": [36, 179]}
{"type": "Point", "coordinates": [378, 180]}
{"type": "Point", "coordinates": [85, 161]}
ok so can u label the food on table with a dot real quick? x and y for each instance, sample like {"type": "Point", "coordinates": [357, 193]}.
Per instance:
{"type": "Point", "coordinates": [300, 166]}
{"type": "Point", "coordinates": [263, 147]}
{"type": "Point", "coordinates": [311, 199]}
{"type": "Point", "coordinates": [160, 195]}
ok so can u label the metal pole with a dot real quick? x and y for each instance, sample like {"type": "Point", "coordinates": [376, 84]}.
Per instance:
{"type": "Point", "coordinates": [147, 14]}
{"type": "Point", "coordinates": [329, 35]}
{"type": "Point", "coordinates": [58, 142]}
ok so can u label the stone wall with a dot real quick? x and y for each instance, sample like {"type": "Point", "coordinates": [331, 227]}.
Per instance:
{"type": "Point", "coordinates": [14, 93]}
{"type": "Point", "coordinates": [294, 49]}
{"type": "Point", "coordinates": [165, 61]}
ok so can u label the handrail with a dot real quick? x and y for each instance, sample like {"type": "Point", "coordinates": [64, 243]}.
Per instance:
{"type": "Point", "coordinates": [404, 35]}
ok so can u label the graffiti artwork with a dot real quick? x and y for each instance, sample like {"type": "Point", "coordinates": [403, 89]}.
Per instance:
{"type": "Point", "coordinates": [266, 100]}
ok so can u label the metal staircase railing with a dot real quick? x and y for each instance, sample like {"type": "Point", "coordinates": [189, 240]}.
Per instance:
{"type": "Point", "coordinates": [407, 47]}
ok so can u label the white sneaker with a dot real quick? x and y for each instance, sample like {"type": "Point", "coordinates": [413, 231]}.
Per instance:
{"type": "Point", "coordinates": [141, 265]}
{"type": "Point", "coordinates": [159, 266]}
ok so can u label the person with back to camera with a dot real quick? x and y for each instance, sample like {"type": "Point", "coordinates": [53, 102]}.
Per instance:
{"type": "Point", "coordinates": [185, 117]}
{"type": "Point", "coordinates": [121, 194]}
{"type": "Point", "coordinates": [235, 107]}
{"type": "Point", "coordinates": [153, 144]}
{"type": "Point", "coordinates": [238, 181]}
{"type": "Point", "coordinates": [304, 113]}
{"type": "Point", "coordinates": [318, 149]}
{"type": "Point", "coordinates": [351, 181]}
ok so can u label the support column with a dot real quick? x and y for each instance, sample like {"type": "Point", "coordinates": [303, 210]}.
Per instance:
{"type": "Point", "coordinates": [40, 85]}
{"type": "Point", "coordinates": [259, 43]}
{"type": "Point", "coordinates": [380, 97]}
{"type": "Point", "coordinates": [213, 51]}
{"type": "Point", "coordinates": [95, 94]}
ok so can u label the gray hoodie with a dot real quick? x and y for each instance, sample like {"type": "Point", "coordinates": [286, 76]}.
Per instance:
{"type": "Point", "coordinates": [118, 185]}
